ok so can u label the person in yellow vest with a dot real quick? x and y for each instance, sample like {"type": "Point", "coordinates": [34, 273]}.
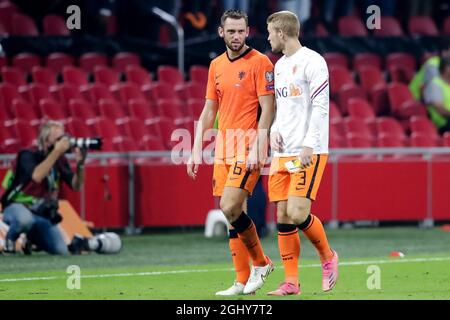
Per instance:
{"type": "Point", "coordinates": [427, 72]}
{"type": "Point", "coordinates": [437, 97]}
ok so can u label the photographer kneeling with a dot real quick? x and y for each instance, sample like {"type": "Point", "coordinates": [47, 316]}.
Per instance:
{"type": "Point", "coordinates": [30, 203]}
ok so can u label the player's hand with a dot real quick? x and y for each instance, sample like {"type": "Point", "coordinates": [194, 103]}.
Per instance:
{"type": "Point", "coordinates": [306, 157]}
{"type": "Point", "coordinates": [252, 162]}
{"type": "Point", "coordinates": [62, 145]}
{"type": "Point", "coordinates": [276, 141]}
{"type": "Point", "coordinates": [192, 168]}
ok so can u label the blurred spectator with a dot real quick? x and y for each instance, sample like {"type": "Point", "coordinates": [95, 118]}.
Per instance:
{"type": "Point", "coordinates": [437, 97]}
{"type": "Point", "coordinates": [242, 5]}
{"type": "Point", "coordinates": [331, 11]}
{"type": "Point", "coordinates": [198, 17]}
{"type": "Point", "coordinates": [427, 72]}
{"type": "Point", "coordinates": [302, 8]}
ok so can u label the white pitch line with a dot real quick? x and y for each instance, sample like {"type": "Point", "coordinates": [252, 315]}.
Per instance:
{"type": "Point", "coordinates": [158, 273]}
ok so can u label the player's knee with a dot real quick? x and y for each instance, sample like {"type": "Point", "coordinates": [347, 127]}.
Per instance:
{"type": "Point", "coordinates": [298, 212]}
{"type": "Point", "coordinates": [282, 217]}
{"type": "Point", "coordinates": [230, 209]}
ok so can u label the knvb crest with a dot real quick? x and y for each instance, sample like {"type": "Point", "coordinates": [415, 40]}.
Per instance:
{"type": "Point", "coordinates": [241, 75]}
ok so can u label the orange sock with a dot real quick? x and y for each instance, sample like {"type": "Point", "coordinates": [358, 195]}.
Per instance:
{"type": "Point", "coordinates": [314, 231]}
{"type": "Point", "coordinates": [240, 257]}
{"type": "Point", "coordinates": [289, 245]}
{"type": "Point", "coordinates": [246, 230]}
{"type": "Point", "coordinates": [251, 240]}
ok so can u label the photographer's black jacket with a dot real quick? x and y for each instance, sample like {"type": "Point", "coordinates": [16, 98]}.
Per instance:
{"type": "Point", "coordinates": [20, 183]}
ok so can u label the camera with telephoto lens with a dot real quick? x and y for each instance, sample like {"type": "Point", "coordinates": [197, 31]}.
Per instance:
{"type": "Point", "coordinates": [86, 143]}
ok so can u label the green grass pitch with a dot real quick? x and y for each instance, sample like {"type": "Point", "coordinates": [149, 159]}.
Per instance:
{"type": "Point", "coordinates": [179, 266]}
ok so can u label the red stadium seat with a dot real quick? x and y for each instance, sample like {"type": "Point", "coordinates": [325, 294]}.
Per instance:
{"type": "Point", "coordinates": [347, 92]}
{"type": "Point", "coordinates": [14, 76]}
{"type": "Point", "coordinates": [96, 91]}
{"type": "Point", "coordinates": [141, 109]}
{"type": "Point", "coordinates": [37, 92]}
{"type": "Point", "coordinates": [391, 127]}
{"type": "Point", "coordinates": [51, 109]}
{"type": "Point", "coordinates": [90, 60]}
{"type": "Point", "coordinates": [75, 76]}
{"type": "Point", "coordinates": [358, 127]}
{"type": "Point", "coordinates": [367, 60]}
{"type": "Point", "coordinates": [26, 133]}
{"type": "Point", "coordinates": [4, 32]}
{"type": "Point", "coordinates": [196, 107]}
{"type": "Point", "coordinates": [198, 74]}
{"type": "Point", "coordinates": [108, 131]}
{"type": "Point", "coordinates": [370, 77]}
{"type": "Point", "coordinates": [423, 125]}
{"type": "Point", "coordinates": [8, 93]}
{"type": "Point", "coordinates": [355, 140]}
{"type": "Point", "coordinates": [360, 108]}
{"type": "Point", "coordinates": [82, 110]}
{"type": "Point", "coordinates": [11, 146]}
{"type": "Point", "coordinates": [419, 139]}
{"type": "Point", "coordinates": [398, 94]}
{"type": "Point", "coordinates": [390, 27]}
{"type": "Point", "coordinates": [351, 26]}
{"type": "Point", "coordinates": [43, 75]}
{"type": "Point", "coordinates": [401, 60]}
{"type": "Point", "coordinates": [336, 59]}
{"type": "Point", "coordinates": [106, 76]}
{"type": "Point", "coordinates": [401, 74]}
{"type": "Point", "coordinates": [321, 31]}
{"type": "Point", "coordinates": [162, 90]}
{"type": "Point", "coordinates": [378, 97]}
{"type": "Point", "coordinates": [166, 127]}
{"type": "Point", "coordinates": [127, 91]}
{"type": "Point", "coordinates": [23, 25]}
{"type": "Point", "coordinates": [79, 128]}
{"type": "Point", "coordinates": [138, 131]}
{"type": "Point", "coordinates": [66, 92]}
{"type": "Point", "coordinates": [127, 145]}
{"type": "Point", "coordinates": [174, 109]}
{"type": "Point", "coordinates": [57, 61]}
{"type": "Point", "coordinates": [191, 90]}
{"type": "Point", "coordinates": [446, 139]}
{"type": "Point", "coordinates": [112, 110]}
{"type": "Point", "coordinates": [402, 102]}
{"type": "Point", "coordinates": [139, 76]}
{"type": "Point", "coordinates": [339, 76]}
{"type": "Point", "coordinates": [26, 61]}
{"type": "Point", "coordinates": [55, 25]}
{"type": "Point", "coordinates": [170, 75]}
{"type": "Point", "coordinates": [446, 26]}
{"type": "Point", "coordinates": [422, 25]}
{"type": "Point", "coordinates": [122, 60]}
{"type": "Point", "coordinates": [3, 61]}
{"type": "Point", "coordinates": [335, 113]}
{"type": "Point", "coordinates": [386, 140]}
{"type": "Point", "coordinates": [7, 10]}
{"type": "Point", "coordinates": [25, 111]}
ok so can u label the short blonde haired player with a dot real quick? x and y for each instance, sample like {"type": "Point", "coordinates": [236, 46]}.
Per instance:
{"type": "Point", "coordinates": [299, 132]}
